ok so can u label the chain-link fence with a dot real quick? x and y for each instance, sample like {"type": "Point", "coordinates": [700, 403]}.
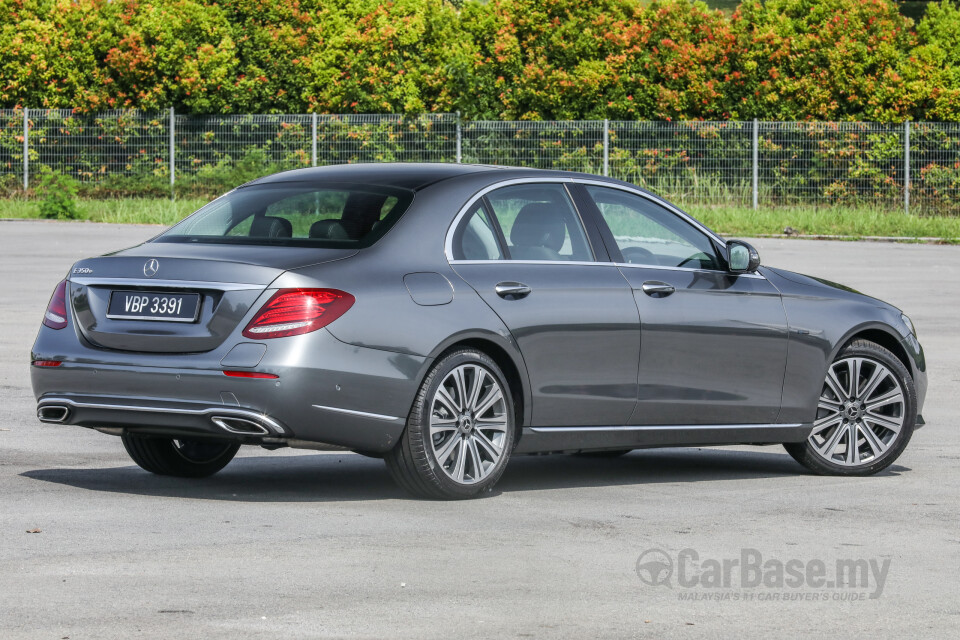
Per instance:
{"type": "Point", "coordinates": [703, 162]}
{"type": "Point", "coordinates": [570, 145]}
{"type": "Point", "coordinates": [935, 167]}
{"type": "Point", "coordinates": [723, 163]}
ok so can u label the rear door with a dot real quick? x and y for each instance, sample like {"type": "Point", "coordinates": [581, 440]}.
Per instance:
{"type": "Point", "coordinates": [714, 343]}
{"type": "Point", "coordinates": [525, 250]}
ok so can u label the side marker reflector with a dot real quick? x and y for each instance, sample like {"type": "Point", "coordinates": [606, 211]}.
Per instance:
{"type": "Point", "coordinates": [249, 374]}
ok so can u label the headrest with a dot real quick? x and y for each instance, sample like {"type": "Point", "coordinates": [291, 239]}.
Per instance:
{"type": "Point", "coordinates": [270, 227]}
{"type": "Point", "coordinates": [329, 229]}
{"type": "Point", "coordinates": [539, 224]}
{"type": "Point", "coordinates": [360, 212]}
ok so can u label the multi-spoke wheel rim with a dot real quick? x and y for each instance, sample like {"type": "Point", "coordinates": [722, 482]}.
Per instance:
{"type": "Point", "coordinates": [468, 424]}
{"type": "Point", "coordinates": [860, 413]}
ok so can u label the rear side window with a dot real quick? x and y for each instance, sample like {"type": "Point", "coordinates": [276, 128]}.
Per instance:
{"type": "Point", "coordinates": [523, 222]}
{"type": "Point", "coordinates": [294, 213]}
{"type": "Point", "coordinates": [477, 238]}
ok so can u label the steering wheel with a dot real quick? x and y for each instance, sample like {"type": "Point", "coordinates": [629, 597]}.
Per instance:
{"type": "Point", "coordinates": [638, 255]}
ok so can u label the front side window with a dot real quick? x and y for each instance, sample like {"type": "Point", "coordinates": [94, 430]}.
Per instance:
{"type": "Point", "coordinates": [295, 213]}
{"type": "Point", "coordinates": [649, 234]}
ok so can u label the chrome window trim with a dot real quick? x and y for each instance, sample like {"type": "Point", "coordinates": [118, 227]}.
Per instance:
{"type": "Point", "coordinates": [570, 262]}
{"type": "Point", "coordinates": [88, 281]}
{"type": "Point", "coordinates": [609, 264]}
{"type": "Point", "coordinates": [629, 265]}
{"type": "Point", "coordinates": [448, 242]}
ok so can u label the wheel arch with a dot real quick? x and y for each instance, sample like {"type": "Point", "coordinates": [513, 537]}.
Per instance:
{"type": "Point", "coordinates": [503, 352]}
{"type": "Point", "coordinates": [881, 335]}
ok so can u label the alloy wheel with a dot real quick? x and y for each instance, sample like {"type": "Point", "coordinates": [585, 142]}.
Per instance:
{"type": "Point", "coordinates": [468, 423]}
{"type": "Point", "coordinates": [860, 413]}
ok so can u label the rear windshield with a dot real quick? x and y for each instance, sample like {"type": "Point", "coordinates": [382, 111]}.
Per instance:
{"type": "Point", "coordinates": [296, 214]}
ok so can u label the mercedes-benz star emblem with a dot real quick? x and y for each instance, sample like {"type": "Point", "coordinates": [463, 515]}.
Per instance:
{"type": "Point", "coordinates": [151, 267]}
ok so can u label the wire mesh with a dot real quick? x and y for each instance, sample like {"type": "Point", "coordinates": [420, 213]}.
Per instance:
{"type": "Point", "coordinates": [702, 162]}
{"type": "Point", "coordinates": [569, 145]}
{"type": "Point", "coordinates": [935, 168]}
{"type": "Point", "coordinates": [11, 150]}
{"type": "Point", "coordinates": [832, 163]}
{"type": "Point", "coordinates": [232, 149]}
{"type": "Point", "coordinates": [386, 138]}
{"type": "Point", "coordinates": [205, 144]}
{"type": "Point", "coordinates": [808, 163]}
{"type": "Point", "coordinates": [107, 148]}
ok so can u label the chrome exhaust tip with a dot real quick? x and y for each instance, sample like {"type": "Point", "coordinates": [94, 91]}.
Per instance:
{"type": "Point", "coordinates": [53, 413]}
{"type": "Point", "coordinates": [240, 426]}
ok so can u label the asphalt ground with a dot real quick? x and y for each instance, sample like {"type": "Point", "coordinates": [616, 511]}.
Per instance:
{"type": "Point", "coordinates": [296, 544]}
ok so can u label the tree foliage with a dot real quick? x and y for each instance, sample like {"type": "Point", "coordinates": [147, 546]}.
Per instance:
{"type": "Point", "coordinates": [523, 59]}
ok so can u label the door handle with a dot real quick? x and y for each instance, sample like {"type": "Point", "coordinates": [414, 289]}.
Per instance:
{"type": "Point", "coordinates": [656, 289]}
{"type": "Point", "coordinates": [512, 290]}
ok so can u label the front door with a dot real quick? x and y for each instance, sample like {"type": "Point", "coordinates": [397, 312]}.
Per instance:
{"type": "Point", "coordinates": [714, 344]}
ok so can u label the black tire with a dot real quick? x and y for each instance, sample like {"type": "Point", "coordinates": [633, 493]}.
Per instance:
{"type": "Point", "coordinates": [179, 457]}
{"type": "Point", "coordinates": [806, 454]}
{"type": "Point", "coordinates": [413, 462]}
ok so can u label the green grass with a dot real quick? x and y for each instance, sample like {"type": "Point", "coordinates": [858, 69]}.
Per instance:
{"type": "Point", "coordinates": [854, 222]}
{"type": "Point", "coordinates": [121, 210]}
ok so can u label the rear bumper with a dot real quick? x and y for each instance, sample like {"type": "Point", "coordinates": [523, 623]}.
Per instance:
{"type": "Point", "coordinates": [326, 391]}
{"type": "Point", "coordinates": [147, 415]}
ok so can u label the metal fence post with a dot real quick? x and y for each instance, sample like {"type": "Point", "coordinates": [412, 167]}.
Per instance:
{"type": "Point", "coordinates": [173, 156]}
{"type": "Point", "coordinates": [606, 147]}
{"type": "Point", "coordinates": [26, 150]}
{"type": "Point", "coordinates": [756, 163]}
{"type": "Point", "coordinates": [906, 167]}
{"type": "Point", "coordinates": [313, 138]}
{"type": "Point", "coordinates": [459, 140]}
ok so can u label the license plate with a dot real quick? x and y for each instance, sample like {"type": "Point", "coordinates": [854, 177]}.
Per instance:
{"type": "Point", "coordinates": [151, 305]}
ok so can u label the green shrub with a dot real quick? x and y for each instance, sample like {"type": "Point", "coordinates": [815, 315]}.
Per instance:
{"type": "Point", "coordinates": [825, 60]}
{"type": "Point", "coordinates": [58, 196]}
{"type": "Point", "coordinates": [540, 60]}
{"type": "Point", "coordinates": [515, 59]}
{"type": "Point", "coordinates": [939, 52]}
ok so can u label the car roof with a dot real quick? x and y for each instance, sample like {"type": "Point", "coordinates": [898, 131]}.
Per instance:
{"type": "Point", "coordinates": [403, 175]}
{"type": "Point", "coordinates": [407, 175]}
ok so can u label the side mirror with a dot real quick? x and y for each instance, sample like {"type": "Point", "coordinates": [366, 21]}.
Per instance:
{"type": "Point", "coordinates": [741, 257]}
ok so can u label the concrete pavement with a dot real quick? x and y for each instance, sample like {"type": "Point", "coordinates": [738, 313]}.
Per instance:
{"type": "Point", "coordinates": [295, 544]}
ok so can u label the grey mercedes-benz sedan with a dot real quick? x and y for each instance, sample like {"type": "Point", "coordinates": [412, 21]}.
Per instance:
{"type": "Point", "coordinates": [445, 317]}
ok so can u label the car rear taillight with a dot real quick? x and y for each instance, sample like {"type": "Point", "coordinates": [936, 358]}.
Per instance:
{"type": "Point", "coordinates": [56, 314]}
{"type": "Point", "coordinates": [291, 312]}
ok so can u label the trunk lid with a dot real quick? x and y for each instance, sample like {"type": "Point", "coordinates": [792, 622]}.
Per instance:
{"type": "Point", "coordinates": [223, 281]}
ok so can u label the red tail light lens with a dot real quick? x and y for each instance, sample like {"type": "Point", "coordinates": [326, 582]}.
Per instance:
{"type": "Point", "coordinates": [250, 374]}
{"type": "Point", "coordinates": [47, 363]}
{"type": "Point", "coordinates": [56, 314]}
{"type": "Point", "coordinates": [291, 312]}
